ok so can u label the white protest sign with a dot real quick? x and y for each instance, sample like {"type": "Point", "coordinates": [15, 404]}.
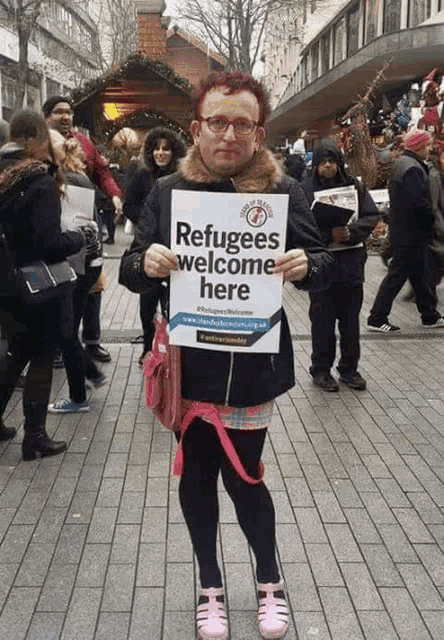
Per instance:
{"type": "Point", "coordinates": [346, 197]}
{"type": "Point", "coordinates": [224, 296]}
{"type": "Point", "coordinates": [77, 203]}
{"type": "Point", "coordinates": [381, 198]}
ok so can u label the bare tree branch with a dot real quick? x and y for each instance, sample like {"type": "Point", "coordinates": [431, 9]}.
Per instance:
{"type": "Point", "coordinates": [234, 28]}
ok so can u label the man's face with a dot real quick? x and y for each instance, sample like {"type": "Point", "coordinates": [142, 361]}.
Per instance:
{"type": "Point", "coordinates": [226, 153]}
{"type": "Point", "coordinates": [327, 168]}
{"type": "Point", "coordinates": [61, 118]}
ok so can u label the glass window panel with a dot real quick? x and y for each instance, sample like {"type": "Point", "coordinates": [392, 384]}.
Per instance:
{"type": "Point", "coordinates": [353, 29]}
{"type": "Point", "coordinates": [338, 47]}
{"type": "Point", "coordinates": [419, 10]}
{"type": "Point", "coordinates": [314, 61]}
{"type": "Point", "coordinates": [371, 18]}
{"type": "Point", "coordinates": [304, 71]}
{"type": "Point", "coordinates": [392, 16]}
{"type": "Point", "coordinates": [325, 52]}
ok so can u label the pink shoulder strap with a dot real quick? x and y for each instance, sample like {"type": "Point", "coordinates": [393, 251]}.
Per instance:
{"type": "Point", "coordinates": [210, 413]}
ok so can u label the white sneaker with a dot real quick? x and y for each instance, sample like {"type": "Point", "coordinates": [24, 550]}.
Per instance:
{"type": "Point", "coordinates": [66, 405]}
{"type": "Point", "coordinates": [384, 327]}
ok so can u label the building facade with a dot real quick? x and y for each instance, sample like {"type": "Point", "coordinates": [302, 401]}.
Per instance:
{"type": "Point", "coordinates": [62, 52]}
{"type": "Point", "coordinates": [321, 56]}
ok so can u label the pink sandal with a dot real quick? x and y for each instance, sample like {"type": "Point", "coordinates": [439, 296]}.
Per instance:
{"type": "Point", "coordinates": [212, 623]}
{"type": "Point", "coordinates": [273, 613]}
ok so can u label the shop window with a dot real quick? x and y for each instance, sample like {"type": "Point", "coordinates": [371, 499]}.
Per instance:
{"type": "Point", "coordinates": [353, 29]}
{"type": "Point", "coordinates": [392, 16]}
{"type": "Point", "coordinates": [419, 10]}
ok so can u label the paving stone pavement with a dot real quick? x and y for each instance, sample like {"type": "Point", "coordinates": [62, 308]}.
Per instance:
{"type": "Point", "coordinates": [94, 546]}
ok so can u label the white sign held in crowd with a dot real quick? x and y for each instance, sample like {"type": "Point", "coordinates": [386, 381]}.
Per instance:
{"type": "Point", "coordinates": [224, 296]}
{"type": "Point", "coordinates": [346, 197]}
{"type": "Point", "coordinates": [381, 198]}
{"type": "Point", "coordinates": [77, 204]}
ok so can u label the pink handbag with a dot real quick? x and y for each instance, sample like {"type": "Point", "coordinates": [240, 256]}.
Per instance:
{"type": "Point", "coordinates": [162, 377]}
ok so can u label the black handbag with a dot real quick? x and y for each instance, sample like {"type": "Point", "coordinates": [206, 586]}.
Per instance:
{"type": "Point", "coordinates": [35, 282]}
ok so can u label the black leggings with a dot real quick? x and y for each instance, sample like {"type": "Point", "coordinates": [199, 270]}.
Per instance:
{"type": "Point", "coordinates": [203, 459]}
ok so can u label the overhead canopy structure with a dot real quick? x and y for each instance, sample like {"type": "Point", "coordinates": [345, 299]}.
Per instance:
{"type": "Point", "coordinates": [141, 93]}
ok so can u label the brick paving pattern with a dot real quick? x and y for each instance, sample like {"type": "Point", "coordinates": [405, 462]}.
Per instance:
{"type": "Point", "coordinates": [94, 546]}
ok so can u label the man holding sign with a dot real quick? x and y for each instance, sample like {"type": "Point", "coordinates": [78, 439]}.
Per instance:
{"type": "Point", "coordinates": [331, 186]}
{"type": "Point", "coordinates": [226, 230]}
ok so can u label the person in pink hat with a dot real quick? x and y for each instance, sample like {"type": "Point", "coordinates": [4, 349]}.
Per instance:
{"type": "Point", "coordinates": [411, 229]}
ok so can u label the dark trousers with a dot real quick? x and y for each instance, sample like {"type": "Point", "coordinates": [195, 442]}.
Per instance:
{"type": "Point", "coordinates": [148, 306]}
{"type": "Point", "coordinates": [408, 263]}
{"type": "Point", "coordinates": [343, 303]}
{"type": "Point", "coordinates": [78, 363]}
{"type": "Point", "coordinates": [91, 319]}
{"type": "Point", "coordinates": [109, 220]}
{"type": "Point", "coordinates": [204, 458]}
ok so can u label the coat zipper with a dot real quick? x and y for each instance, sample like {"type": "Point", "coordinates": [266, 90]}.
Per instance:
{"type": "Point", "coordinates": [272, 362]}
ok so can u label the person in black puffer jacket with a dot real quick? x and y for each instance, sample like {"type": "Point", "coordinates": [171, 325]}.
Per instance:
{"type": "Point", "coordinates": [342, 300]}
{"type": "Point", "coordinates": [162, 151]}
{"type": "Point", "coordinates": [30, 215]}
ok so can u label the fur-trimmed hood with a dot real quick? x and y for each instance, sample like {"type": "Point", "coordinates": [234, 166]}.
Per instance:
{"type": "Point", "coordinates": [261, 175]}
{"type": "Point", "coordinates": [19, 170]}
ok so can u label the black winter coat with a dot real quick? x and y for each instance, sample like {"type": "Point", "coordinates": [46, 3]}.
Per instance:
{"type": "Point", "coordinates": [411, 211]}
{"type": "Point", "coordinates": [30, 213]}
{"type": "Point", "coordinates": [349, 263]}
{"type": "Point", "coordinates": [137, 191]}
{"type": "Point", "coordinates": [233, 379]}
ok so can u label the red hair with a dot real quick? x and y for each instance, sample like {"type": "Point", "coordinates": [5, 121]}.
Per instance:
{"type": "Point", "coordinates": [234, 82]}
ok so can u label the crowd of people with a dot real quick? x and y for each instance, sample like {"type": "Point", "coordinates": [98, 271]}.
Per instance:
{"type": "Point", "coordinates": [42, 156]}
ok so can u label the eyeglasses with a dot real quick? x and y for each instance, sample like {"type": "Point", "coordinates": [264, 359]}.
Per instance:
{"type": "Point", "coordinates": [62, 112]}
{"type": "Point", "coordinates": [220, 124]}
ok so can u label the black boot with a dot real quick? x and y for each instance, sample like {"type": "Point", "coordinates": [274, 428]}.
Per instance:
{"type": "Point", "coordinates": [6, 433]}
{"type": "Point", "coordinates": [37, 442]}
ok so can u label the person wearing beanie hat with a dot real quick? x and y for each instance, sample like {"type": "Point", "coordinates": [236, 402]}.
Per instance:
{"type": "Point", "coordinates": [411, 231]}
{"type": "Point", "coordinates": [417, 139]}
{"type": "Point", "coordinates": [51, 102]}
{"type": "Point", "coordinates": [59, 115]}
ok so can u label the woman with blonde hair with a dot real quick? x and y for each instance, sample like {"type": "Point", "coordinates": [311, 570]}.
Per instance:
{"type": "Point", "coordinates": [87, 264]}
